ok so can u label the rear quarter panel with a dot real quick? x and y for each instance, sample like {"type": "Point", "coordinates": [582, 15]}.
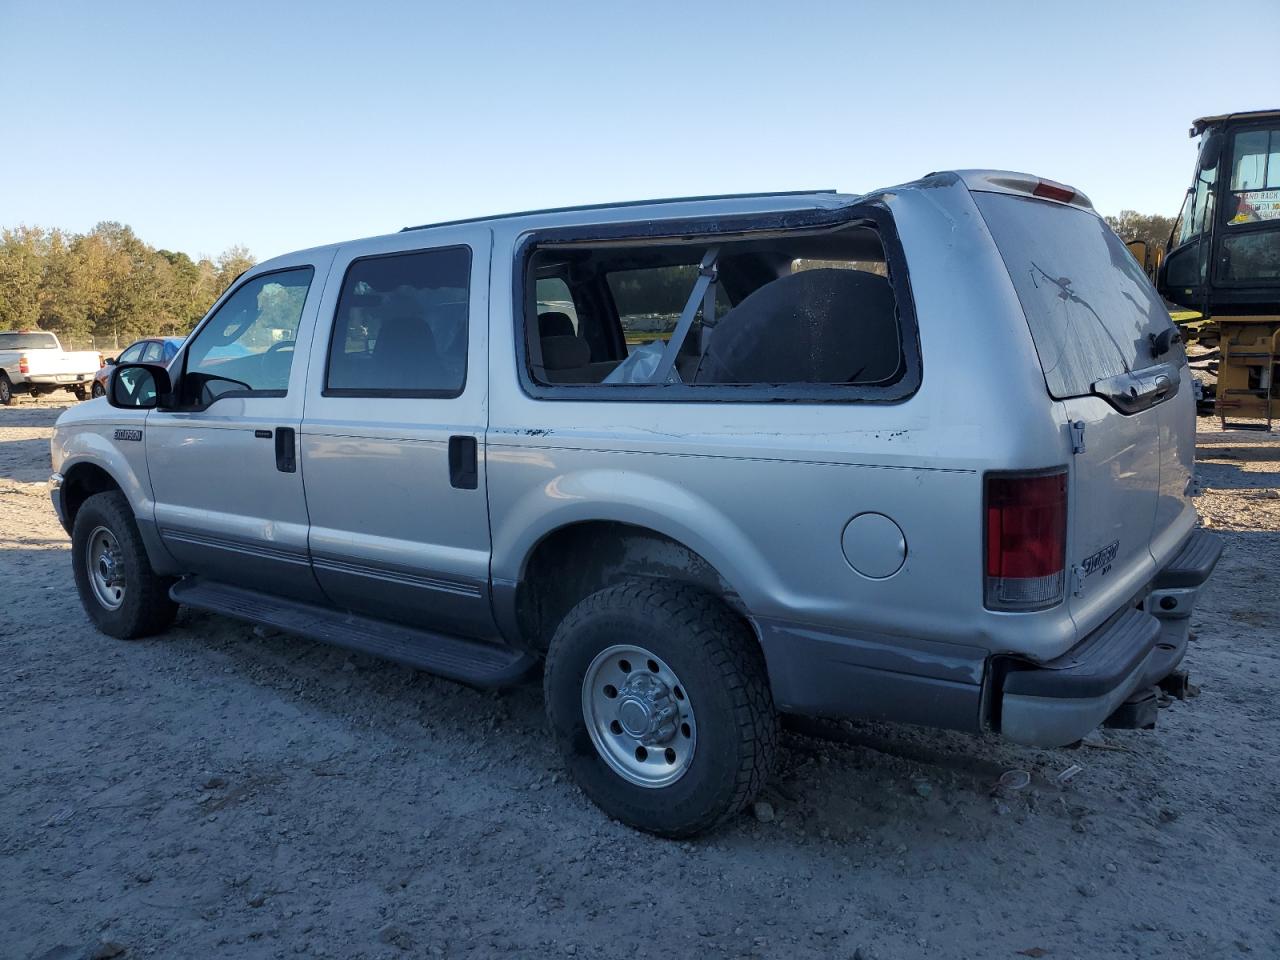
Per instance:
{"type": "Point", "coordinates": [763, 491]}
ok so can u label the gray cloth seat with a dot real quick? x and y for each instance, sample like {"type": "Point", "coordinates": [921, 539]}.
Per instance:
{"type": "Point", "coordinates": [815, 326]}
{"type": "Point", "coordinates": [566, 357]}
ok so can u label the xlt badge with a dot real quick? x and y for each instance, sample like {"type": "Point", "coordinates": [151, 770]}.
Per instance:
{"type": "Point", "coordinates": [1101, 561]}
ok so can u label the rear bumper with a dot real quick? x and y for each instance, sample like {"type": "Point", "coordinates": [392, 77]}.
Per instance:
{"type": "Point", "coordinates": [1058, 702]}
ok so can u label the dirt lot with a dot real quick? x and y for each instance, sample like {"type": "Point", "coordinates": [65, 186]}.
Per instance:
{"type": "Point", "coordinates": [217, 793]}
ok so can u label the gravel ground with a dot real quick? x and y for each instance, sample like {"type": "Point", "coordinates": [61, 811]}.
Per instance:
{"type": "Point", "coordinates": [219, 793]}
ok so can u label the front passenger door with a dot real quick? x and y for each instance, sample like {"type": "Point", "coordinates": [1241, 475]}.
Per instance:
{"type": "Point", "coordinates": [224, 467]}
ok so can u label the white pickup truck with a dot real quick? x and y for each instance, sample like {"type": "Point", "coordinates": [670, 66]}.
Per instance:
{"type": "Point", "coordinates": [33, 362]}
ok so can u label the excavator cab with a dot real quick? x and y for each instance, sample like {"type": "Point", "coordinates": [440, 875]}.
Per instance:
{"type": "Point", "coordinates": [1223, 257]}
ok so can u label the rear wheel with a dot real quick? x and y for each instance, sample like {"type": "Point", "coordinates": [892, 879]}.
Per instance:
{"type": "Point", "coordinates": [658, 699]}
{"type": "Point", "coordinates": [6, 391]}
{"type": "Point", "coordinates": [119, 591]}
{"type": "Point", "coordinates": [81, 393]}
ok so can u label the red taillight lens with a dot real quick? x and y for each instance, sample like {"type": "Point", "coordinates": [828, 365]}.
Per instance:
{"type": "Point", "coordinates": [23, 366]}
{"type": "Point", "coordinates": [1054, 191]}
{"type": "Point", "coordinates": [1026, 541]}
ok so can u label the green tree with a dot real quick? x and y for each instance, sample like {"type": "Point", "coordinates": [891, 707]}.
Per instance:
{"type": "Point", "coordinates": [22, 259]}
{"type": "Point", "coordinates": [107, 284]}
{"type": "Point", "coordinates": [1129, 225]}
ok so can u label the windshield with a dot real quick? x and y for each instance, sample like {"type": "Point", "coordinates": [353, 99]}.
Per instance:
{"type": "Point", "coordinates": [1091, 309]}
{"type": "Point", "coordinates": [28, 341]}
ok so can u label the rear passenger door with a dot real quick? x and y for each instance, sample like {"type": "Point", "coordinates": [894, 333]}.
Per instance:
{"type": "Point", "coordinates": [392, 440]}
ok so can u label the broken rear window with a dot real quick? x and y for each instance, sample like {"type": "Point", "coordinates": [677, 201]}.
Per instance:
{"type": "Point", "coordinates": [792, 309]}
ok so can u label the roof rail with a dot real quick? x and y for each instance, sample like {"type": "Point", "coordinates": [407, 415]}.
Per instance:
{"type": "Point", "coordinates": [611, 206]}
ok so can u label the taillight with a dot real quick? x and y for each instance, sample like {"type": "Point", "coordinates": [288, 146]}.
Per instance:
{"type": "Point", "coordinates": [1026, 540]}
{"type": "Point", "coordinates": [23, 367]}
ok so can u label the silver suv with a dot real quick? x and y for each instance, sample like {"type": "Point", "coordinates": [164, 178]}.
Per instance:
{"type": "Point", "coordinates": [922, 455]}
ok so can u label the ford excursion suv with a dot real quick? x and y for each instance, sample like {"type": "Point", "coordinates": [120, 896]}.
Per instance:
{"type": "Point", "coordinates": [922, 455]}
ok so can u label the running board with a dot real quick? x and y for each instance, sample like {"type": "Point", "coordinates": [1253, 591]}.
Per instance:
{"type": "Point", "coordinates": [472, 662]}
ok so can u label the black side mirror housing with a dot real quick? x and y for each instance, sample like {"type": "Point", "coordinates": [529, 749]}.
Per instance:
{"type": "Point", "coordinates": [110, 361]}
{"type": "Point", "coordinates": [138, 386]}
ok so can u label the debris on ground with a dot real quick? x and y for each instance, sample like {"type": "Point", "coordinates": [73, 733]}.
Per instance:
{"type": "Point", "coordinates": [382, 813]}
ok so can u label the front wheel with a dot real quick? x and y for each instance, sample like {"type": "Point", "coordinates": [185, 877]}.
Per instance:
{"type": "Point", "coordinates": [119, 591]}
{"type": "Point", "coordinates": [98, 389]}
{"type": "Point", "coordinates": [659, 702]}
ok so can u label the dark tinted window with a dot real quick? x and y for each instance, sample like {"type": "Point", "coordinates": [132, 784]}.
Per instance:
{"type": "Point", "coordinates": [1090, 307]}
{"type": "Point", "coordinates": [401, 325]}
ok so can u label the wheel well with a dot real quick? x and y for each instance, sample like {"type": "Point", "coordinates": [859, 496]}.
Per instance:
{"type": "Point", "coordinates": [79, 484]}
{"type": "Point", "coordinates": [574, 562]}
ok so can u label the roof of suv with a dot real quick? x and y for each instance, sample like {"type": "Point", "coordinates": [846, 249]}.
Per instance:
{"type": "Point", "coordinates": [676, 208]}
{"type": "Point", "coordinates": [628, 205]}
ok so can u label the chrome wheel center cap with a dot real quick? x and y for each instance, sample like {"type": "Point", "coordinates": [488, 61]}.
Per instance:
{"type": "Point", "coordinates": [647, 710]}
{"type": "Point", "coordinates": [109, 567]}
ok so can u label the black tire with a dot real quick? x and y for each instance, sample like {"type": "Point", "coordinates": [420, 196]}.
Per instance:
{"type": "Point", "coordinates": [722, 672]}
{"type": "Point", "coordinates": [81, 393]}
{"type": "Point", "coordinates": [98, 390]}
{"type": "Point", "coordinates": [6, 391]}
{"type": "Point", "coordinates": [145, 608]}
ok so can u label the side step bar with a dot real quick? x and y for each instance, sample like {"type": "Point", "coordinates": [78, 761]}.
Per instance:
{"type": "Point", "coordinates": [472, 662]}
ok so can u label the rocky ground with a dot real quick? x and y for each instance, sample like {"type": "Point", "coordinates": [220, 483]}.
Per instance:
{"type": "Point", "coordinates": [218, 793]}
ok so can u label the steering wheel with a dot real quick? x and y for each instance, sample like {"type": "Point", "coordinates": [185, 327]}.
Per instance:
{"type": "Point", "coordinates": [280, 345]}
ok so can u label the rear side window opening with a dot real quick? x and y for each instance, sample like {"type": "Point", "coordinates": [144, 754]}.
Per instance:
{"type": "Point", "coordinates": [790, 315]}
{"type": "Point", "coordinates": [1093, 313]}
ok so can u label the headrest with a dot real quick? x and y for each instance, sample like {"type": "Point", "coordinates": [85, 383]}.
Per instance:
{"type": "Point", "coordinates": [554, 324]}
{"type": "Point", "coordinates": [564, 353]}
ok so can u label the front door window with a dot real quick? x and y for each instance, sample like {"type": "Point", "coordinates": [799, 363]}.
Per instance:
{"type": "Point", "coordinates": [246, 348]}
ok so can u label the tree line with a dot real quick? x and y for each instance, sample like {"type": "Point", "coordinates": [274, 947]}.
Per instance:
{"type": "Point", "coordinates": [106, 287]}
{"type": "Point", "coordinates": [1151, 227]}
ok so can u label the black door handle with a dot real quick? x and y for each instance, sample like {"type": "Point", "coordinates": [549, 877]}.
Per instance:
{"type": "Point", "coordinates": [464, 472]}
{"type": "Point", "coordinates": [286, 450]}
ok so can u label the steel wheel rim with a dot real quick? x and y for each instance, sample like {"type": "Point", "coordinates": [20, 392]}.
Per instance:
{"type": "Point", "coordinates": [105, 566]}
{"type": "Point", "coordinates": [640, 719]}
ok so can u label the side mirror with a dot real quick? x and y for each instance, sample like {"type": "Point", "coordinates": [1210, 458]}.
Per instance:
{"type": "Point", "coordinates": [110, 361]}
{"type": "Point", "coordinates": [138, 386]}
{"type": "Point", "coordinates": [1211, 150]}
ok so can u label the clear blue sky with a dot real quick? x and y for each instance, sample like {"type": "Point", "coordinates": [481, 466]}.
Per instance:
{"type": "Point", "coordinates": [282, 125]}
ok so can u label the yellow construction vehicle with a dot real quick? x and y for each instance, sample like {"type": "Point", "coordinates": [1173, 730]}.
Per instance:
{"type": "Point", "coordinates": [1223, 261]}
